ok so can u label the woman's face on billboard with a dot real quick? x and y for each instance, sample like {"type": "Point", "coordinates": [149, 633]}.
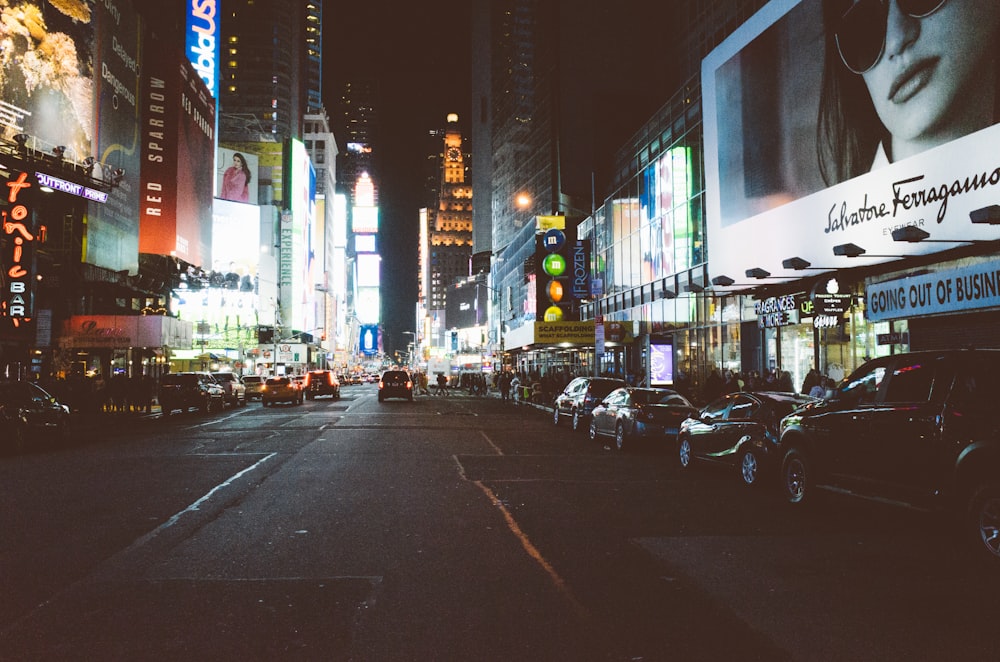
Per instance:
{"type": "Point", "coordinates": [935, 79]}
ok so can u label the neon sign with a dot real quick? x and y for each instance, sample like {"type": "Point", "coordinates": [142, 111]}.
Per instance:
{"type": "Point", "coordinates": [18, 257]}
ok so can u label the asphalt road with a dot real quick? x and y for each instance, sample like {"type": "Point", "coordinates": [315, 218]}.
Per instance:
{"type": "Point", "coordinates": [451, 529]}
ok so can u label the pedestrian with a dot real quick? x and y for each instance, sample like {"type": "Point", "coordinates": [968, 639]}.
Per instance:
{"type": "Point", "coordinates": [505, 382]}
{"type": "Point", "coordinates": [515, 387]}
{"type": "Point", "coordinates": [442, 385]}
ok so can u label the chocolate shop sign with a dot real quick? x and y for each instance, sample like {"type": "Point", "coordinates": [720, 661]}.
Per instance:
{"type": "Point", "coordinates": [964, 288]}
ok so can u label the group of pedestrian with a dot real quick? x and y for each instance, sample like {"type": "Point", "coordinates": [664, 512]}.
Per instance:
{"type": "Point", "coordinates": [94, 395]}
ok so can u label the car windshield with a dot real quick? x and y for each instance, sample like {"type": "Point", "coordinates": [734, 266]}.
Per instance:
{"type": "Point", "coordinates": [278, 381]}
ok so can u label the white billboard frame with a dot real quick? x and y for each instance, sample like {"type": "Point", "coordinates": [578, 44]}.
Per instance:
{"type": "Point", "coordinates": [935, 190]}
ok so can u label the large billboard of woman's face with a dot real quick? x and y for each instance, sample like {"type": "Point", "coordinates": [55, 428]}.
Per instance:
{"type": "Point", "coordinates": [830, 122]}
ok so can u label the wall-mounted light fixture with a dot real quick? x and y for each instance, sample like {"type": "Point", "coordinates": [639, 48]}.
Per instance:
{"type": "Point", "coordinates": [848, 250]}
{"type": "Point", "coordinates": [799, 264]}
{"type": "Point", "coordinates": [911, 234]}
{"type": "Point", "coordinates": [723, 281]}
{"type": "Point", "coordinates": [987, 215]}
{"type": "Point", "coordinates": [758, 273]}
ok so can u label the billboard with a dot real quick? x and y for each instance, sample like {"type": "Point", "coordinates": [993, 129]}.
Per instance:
{"type": "Point", "coordinates": [57, 108]}
{"type": "Point", "coordinates": [202, 41]}
{"type": "Point", "coordinates": [178, 139]}
{"type": "Point", "coordinates": [236, 240]}
{"type": "Point", "coordinates": [364, 220]}
{"type": "Point", "coordinates": [369, 269]}
{"type": "Point", "coordinates": [661, 364]}
{"type": "Point", "coordinates": [237, 175]}
{"type": "Point", "coordinates": [802, 154]}
{"type": "Point", "coordinates": [113, 227]}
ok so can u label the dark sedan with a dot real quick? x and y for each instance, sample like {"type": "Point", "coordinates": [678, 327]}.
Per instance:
{"type": "Point", "coordinates": [631, 413]}
{"type": "Point", "coordinates": [739, 430]}
{"type": "Point", "coordinates": [29, 414]}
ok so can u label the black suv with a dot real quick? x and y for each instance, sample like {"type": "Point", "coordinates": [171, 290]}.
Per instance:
{"type": "Point", "coordinates": [184, 390]}
{"type": "Point", "coordinates": [919, 429]}
{"type": "Point", "coordinates": [395, 384]}
{"type": "Point", "coordinates": [321, 382]}
{"type": "Point", "coordinates": [580, 397]}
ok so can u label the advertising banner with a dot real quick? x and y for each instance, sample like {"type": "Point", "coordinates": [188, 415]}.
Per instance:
{"type": "Point", "coordinates": [804, 154]}
{"type": "Point", "coordinates": [178, 142]}
{"type": "Point", "coordinates": [965, 288]}
{"type": "Point", "coordinates": [113, 227]}
{"type": "Point", "coordinates": [237, 176]}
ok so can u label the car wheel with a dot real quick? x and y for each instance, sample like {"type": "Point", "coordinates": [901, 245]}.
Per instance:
{"type": "Point", "coordinates": [263, 403]}
{"type": "Point", "coordinates": [592, 430]}
{"type": "Point", "coordinates": [380, 398]}
{"type": "Point", "coordinates": [620, 437]}
{"type": "Point", "coordinates": [796, 475]}
{"type": "Point", "coordinates": [984, 518]}
{"type": "Point", "coordinates": [684, 452]}
{"type": "Point", "coordinates": [310, 396]}
{"type": "Point", "coordinates": [576, 420]}
{"type": "Point", "coordinates": [555, 415]}
{"type": "Point", "coordinates": [749, 466]}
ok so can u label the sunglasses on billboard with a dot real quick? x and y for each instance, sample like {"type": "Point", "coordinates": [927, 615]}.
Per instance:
{"type": "Point", "coordinates": [860, 32]}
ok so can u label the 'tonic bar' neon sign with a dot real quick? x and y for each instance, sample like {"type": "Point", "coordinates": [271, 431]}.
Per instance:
{"type": "Point", "coordinates": [18, 263]}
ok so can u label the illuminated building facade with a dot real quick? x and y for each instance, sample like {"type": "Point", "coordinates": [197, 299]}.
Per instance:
{"type": "Point", "coordinates": [450, 223]}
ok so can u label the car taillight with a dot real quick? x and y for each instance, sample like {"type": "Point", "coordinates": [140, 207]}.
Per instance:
{"type": "Point", "coordinates": [409, 384]}
{"type": "Point", "coordinates": [329, 378]}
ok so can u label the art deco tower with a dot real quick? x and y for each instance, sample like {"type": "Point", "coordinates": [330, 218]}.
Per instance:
{"type": "Point", "coordinates": [450, 231]}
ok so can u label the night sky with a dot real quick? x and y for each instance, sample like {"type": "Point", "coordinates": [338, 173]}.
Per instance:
{"type": "Point", "coordinates": [410, 48]}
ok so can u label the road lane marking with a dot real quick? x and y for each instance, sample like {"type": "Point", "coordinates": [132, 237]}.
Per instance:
{"type": "Point", "coordinates": [489, 441]}
{"type": "Point", "coordinates": [533, 552]}
{"type": "Point", "coordinates": [197, 504]}
{"type": "Point", "coordinates": [526, 543]}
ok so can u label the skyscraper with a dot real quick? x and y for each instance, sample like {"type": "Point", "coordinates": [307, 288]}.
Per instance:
{"type": "Point", "coordinates": [271, 67]}
{"type": "Point", "coordinates": [450, 232]}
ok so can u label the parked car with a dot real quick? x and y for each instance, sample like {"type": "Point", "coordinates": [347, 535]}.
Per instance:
{"type": "Point", "coordinates": [631, 413]}
{"type": "Point", "coordinates": [739, 430]}
{"type": "Point", "coordinates": [254, 385]}
{"type": "Point", "coordinates": [30, 414]}
{"type": "Point", "coordinates": [580, 397]}
{"type": "Point", "coordinates": [918, 429]}
{"type": "Point", "coordinates": [321, 382]}
{"type": "Point", "coordinates": [236, 392]}
{"type": "Point", "coordinates": [280, 389]}
{"type": "Point", "coordinates": [190, 390]}
{"type": "Point", "coordinates": [395, 384]}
